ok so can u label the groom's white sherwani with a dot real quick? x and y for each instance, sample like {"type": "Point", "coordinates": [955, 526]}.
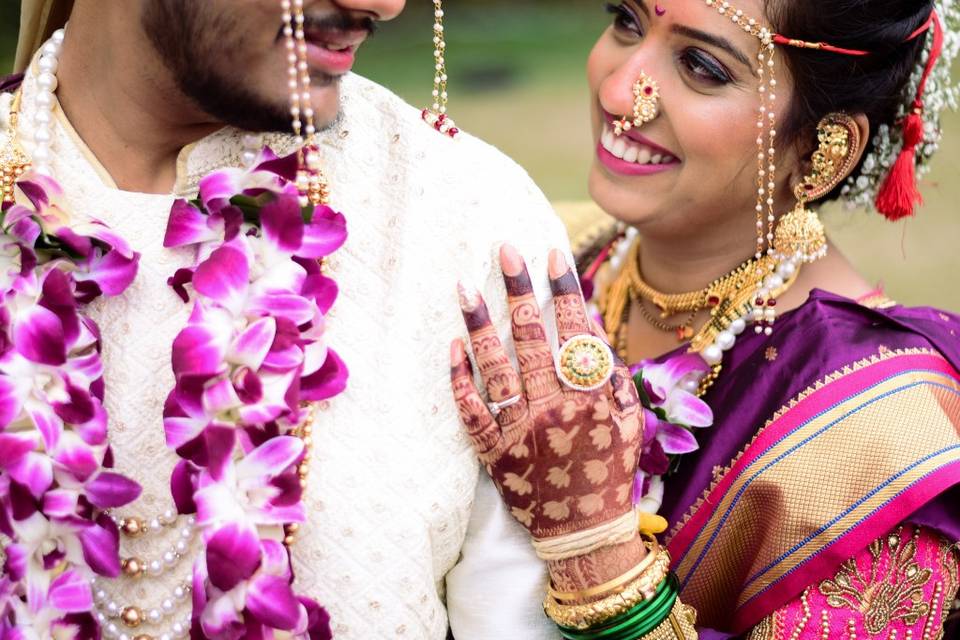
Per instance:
{"type": "Point", "coordinates": [392, 487]}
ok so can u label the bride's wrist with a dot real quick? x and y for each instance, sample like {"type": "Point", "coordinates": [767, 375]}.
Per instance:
{"type": "Point", "coordinates": [582, 573]}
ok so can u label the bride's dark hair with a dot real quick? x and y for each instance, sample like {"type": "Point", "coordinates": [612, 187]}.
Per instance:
{"type": "Point", "coordinates": [826, 82]}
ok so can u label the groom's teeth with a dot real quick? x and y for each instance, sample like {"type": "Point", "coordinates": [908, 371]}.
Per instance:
{"type": "Point", "coordinates": [631, 151]}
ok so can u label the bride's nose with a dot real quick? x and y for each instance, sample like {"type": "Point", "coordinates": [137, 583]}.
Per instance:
{"type": "Point", "coordinates": [618, 91]}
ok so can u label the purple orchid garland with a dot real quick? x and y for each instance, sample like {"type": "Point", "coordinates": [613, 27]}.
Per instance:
{"type": "Point", "coordinates": [252, 353]}
{"type": "Point", "coordinates": [672, 411]}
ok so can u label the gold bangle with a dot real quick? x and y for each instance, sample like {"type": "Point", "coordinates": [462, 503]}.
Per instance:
{"type": "Point", "coordinates": [617, 584]}
{"type": "Point", "coordinates": [584, 616]}
{"type": "Point", "coordinates": [679, 625]}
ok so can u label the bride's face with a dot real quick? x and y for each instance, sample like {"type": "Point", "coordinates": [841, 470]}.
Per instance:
{"type": "Point", "coordinates": [696, 163]}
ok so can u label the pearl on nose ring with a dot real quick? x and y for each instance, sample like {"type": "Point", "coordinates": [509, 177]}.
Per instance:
{"type": "Point", "coordinates": [646, 105]}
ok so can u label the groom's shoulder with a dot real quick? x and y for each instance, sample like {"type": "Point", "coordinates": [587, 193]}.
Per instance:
{"type": "Point", "coordinates": [467, 167]}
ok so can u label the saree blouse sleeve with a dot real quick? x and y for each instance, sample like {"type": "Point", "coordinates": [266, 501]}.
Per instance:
{"type": "Point", "coordinates": [902, 586]}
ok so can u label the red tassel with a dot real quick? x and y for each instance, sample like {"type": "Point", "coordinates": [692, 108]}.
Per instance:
{"type": "Point", "coordinates": [899, 196]}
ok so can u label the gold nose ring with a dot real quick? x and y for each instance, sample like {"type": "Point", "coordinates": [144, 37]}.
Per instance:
{"type": "Point", "coordinates": [646, 104]}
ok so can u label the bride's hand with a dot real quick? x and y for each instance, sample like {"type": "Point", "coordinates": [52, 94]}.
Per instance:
{"type": "Point", "coordinates": [564, 460]}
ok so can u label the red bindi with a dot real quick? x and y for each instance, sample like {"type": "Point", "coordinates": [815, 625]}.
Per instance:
{"type": "Point", "coordinates": [660, 10]}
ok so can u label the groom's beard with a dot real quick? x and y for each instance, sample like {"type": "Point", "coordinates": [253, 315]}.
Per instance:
{"type": "Point", "coordinates": [196, 44]}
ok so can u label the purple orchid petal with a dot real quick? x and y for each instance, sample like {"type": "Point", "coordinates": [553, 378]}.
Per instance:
{"type": "Point", "coordinates": [653, 459]}
{"type": "Point", "coordinates": [70, 592]}
{"type": "Point", "coordinates": [60, 503]}
{"type": "Point", "coordinates": [285, 167]}
{"type": "Point", "coordinates": [10, 404]}
{"type": "Point", "coordinates": [111, 490]}
{"type": "Point", "coordinates": [181, 430]}
{"type": "Point", "coordinates": [199, 350]}
{"type": "Point", "coordinates": [318, 620]}
{"type": "Point", "coordinates": [38, 336]}
{"type": "Point", "coordinates": [687, 409]}
{"type": "Point", "coordinates": [187, 225]}
{"type": "Point", "coordinates": [248, 386]}
{"type": "Point", "coordinates": [220, 397]}
{"type": "Point", "coordinates": [220, 619]}
{"type": "Point", "coordinates": [314, 357]}
{"type": "Point", "coordinates": [282, 223]}
{"type": "Point", "coordinates": [223, 276]}
{"type": "Point", "coordinates": [283, 305]}
{"type": "Point", "coordinates": [101, 547]}
{"type": "Point", "coordinates": [329, 381]}
{"type": "Point", "coordinates": [178, 282]}
{"type": "Point", "coordinates": [233, 555]}
{"type": "Point", "coordinates": [219, 443]}
{"type": "Point", "coordinates": [34, 471]}
{"type": "Point", "coordinates": [675, 439]}
{"type": "Point", "coordinates": [322, 290]}
{"type": "Point", "coordinates": [14, 447]}
{"type": "Point", "coordinates": [252, 346]}
{"type": "Point", "coordinates": [641, 482]}
{"type": "Point", "coordinates": [271, 458]}
{"type": "Point", "coordinates": [78, 409]}
{"type": "Point", "coordinates": [112, 272]}
{"type": "Point", "coordinates": [276, 559]}
{"type": "Point", "coordinates": [16, 564]}
{"type": "Point", "coordinates": [283, 359]}
{"type": "Point", "coordinates": [182, 486]}
{"type": "Point", "coordinates": [323, 236]}
{"type": "Point", "coordinates": [271, 600]}
{"type": "Point", "coordinates": [75, 455]}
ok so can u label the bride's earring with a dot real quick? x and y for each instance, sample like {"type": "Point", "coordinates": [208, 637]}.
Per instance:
{"type": "Point", "coordinates": [800, 234]}
{"type": "Point", "coordinates": [436, 116]}
{"type": "Point", "coordinates": [646, 105]}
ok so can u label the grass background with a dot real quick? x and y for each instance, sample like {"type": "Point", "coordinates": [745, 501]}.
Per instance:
{"type": "Point", "coordinates": [517, 80]}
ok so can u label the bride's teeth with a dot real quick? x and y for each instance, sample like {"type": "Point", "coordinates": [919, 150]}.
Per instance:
{"type": "Point", "coordinates": [656, 159]}
{"type": "Point", "coordinates": [643, 156]}
{"type": "Point", "coordinates": [619, 147]}
{"type": "Point", "coordinates": [607, 139]}
{"type": "Point", "coordinates": [631, 154]}
{"type": "Point", "coordinates": [667, 159]}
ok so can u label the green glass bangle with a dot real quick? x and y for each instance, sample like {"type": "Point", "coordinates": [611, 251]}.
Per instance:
{"type": "Point", "coordinates": [641, 607]}
{"type": "Point", "coordinates": [634, 623]}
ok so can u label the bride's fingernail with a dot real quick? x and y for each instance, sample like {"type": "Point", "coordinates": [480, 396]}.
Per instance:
{"type": "Point", "coordinates": [469, 296]}
{"type": "Point", "coordinates": [557, 264]}
{"type": "Point", "coordinates": [510, 261]}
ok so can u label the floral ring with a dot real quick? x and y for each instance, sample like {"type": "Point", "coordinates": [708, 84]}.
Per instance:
{"type": "Point", "coordinates": [584, 363]}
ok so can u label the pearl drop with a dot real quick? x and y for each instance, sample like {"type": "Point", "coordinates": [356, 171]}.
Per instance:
{"type": "Point", "coordinates": [690, 386]}
{"type": "Point", "coordinates": [181, 546]}
{"type": "Point", "coordinates": [155, 525]}
{"type": "Point", "coordinates": [51, 49]}
{"type": "Point", "coordinates": [712, 355]}
{"type": "Point", "coordinates": [155, 567]}
{"type": "Point", "coordinates": [786, 270]}
{"type": "Point", "coordinates": [111, 630]}
{"type": "Point", "coordinates": [154, 616]}
{"type": "Point", "coordinates": [179, 630]}
{"type": "Point", "coordinates": [99, 595]}
{"type": "Point", "coordinates": [726, 340]}
{"type": "Point", "coordinates": [170, 558]}
{"type": "Point", "coordinates": [167, 605]}
{"type": "Point", "coordinates": [112, 608]}
{"type": "Point", "coordinates": [738, 326]}
{"type": "Point", "coordinates": [58, 36]}
{"type": "Point", "coordinates": [48, 64]}
{"type": "Point", "coordinates": [47, 81]}
{"type": "Point", "coordinates": [41, 155]}
{"type": "Point", "coordinates": [123, 636]}
{"type": "Point", "coordinates": [101, 618]}
{"type": "Point", "coordinates": [179, 592]}
{"type": "Point", "coordinates": [44, 99]}
{"type": "Point", "coordinates": [186, 532]}
{"type": "Point", "coordinates": [192, 520]}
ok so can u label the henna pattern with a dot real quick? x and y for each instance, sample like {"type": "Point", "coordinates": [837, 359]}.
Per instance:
{"type": "Point", "coordinates": [575, 574]}
{"type": "Point", "coordinates": [563, 460]}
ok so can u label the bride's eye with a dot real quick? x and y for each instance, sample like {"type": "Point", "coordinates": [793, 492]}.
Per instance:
{"type": "Point", "coordinates": [704, 68]}
{"type": "Point", "coordinates": [624, 19]}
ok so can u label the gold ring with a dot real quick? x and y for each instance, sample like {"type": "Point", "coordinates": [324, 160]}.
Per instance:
{"type": "Point", "coordinates": [584, 363]}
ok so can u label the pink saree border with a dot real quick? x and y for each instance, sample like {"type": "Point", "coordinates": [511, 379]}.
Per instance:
{"type": "Point", "coordinates": [821, 399]}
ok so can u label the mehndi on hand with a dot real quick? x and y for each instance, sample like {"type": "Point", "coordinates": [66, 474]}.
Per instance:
{"type": "Point", "coordinates": [563, 459]}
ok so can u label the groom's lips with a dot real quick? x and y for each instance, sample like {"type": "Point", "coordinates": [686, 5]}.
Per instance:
{"type": "Point", "coordinates": [333, 52]}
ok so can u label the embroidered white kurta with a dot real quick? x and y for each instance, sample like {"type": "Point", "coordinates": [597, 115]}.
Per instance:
{"type": "Point", "coordinates": [392, 485]}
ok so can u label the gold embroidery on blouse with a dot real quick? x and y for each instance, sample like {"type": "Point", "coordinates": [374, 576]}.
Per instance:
{"type": "Point", "coordinates": [890, 589]}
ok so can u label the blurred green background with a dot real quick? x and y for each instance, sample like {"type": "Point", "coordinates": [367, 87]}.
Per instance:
{"type": "Point", "coordinates": [517, 80]}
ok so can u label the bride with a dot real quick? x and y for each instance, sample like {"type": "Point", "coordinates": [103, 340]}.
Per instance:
{"type": "Point", "coordinates": [785, 435]}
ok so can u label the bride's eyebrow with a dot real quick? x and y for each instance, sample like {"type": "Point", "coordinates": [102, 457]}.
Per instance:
{"type": "Point", "coordinates": [716, 41]}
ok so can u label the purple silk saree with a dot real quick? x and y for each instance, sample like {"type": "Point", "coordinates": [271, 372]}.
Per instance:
{"type": "Point", "coordinates": [860, 416]}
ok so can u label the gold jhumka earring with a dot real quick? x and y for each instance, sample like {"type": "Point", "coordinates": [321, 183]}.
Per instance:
{"type": "Point", "coordinates": [436, 115]}
{"type": "Point", "coordinates": [646, 105]}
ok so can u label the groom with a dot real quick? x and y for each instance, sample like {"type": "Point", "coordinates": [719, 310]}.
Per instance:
{"type": "Point", "coordinates": [401, 540]}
